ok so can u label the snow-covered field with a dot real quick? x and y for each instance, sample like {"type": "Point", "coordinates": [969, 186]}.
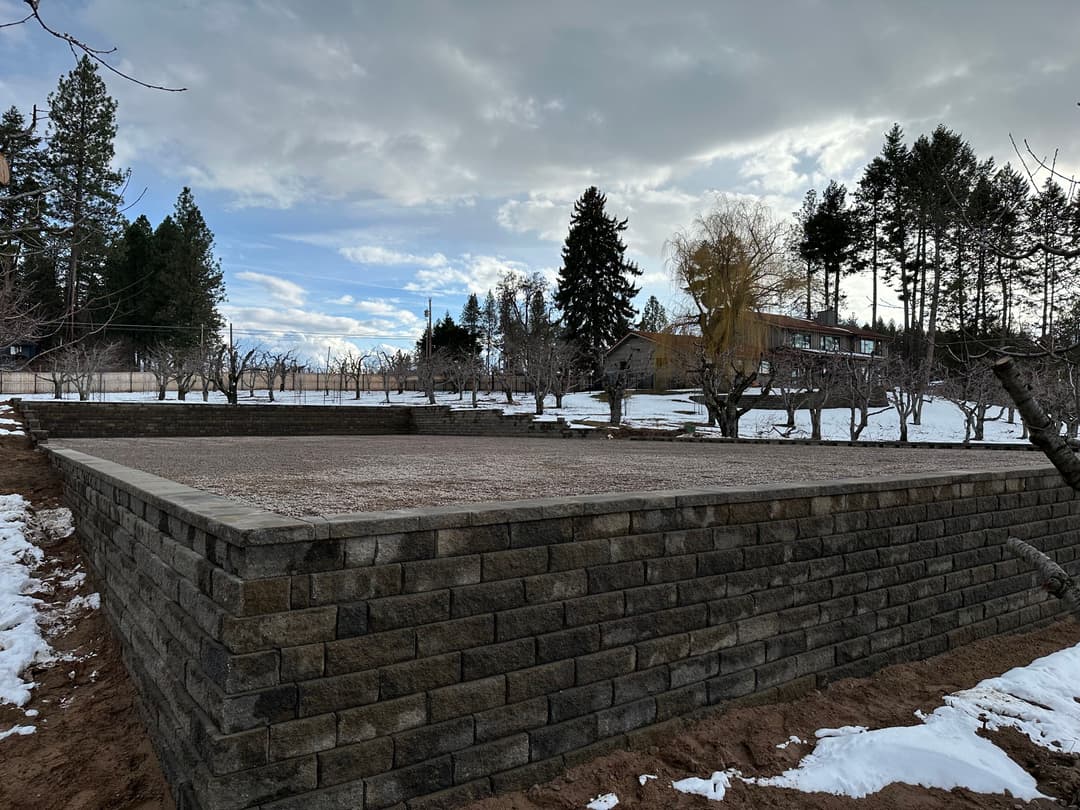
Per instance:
{"type": "Point", "coordinates": [942, 421]}
{"type": "Point", "coordinates": [944, 750]}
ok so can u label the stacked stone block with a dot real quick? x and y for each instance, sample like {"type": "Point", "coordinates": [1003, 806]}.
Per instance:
{"type": "Point", "coordinates": [424, 657]}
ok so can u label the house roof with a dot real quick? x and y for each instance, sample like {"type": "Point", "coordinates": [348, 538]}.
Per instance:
{"type": "Point", "coordinates": [669, 339]}
{"type": "Point", "coordinates": [804, 325]}
{"type": "Point", "coordinates": [687, 343]}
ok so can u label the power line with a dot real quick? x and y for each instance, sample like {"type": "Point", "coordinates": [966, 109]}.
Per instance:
{"type": "Point", "coordinates": [147, 327]}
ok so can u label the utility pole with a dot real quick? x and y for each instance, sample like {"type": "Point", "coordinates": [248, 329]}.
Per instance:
{"type": "Point", "coordinates": [430, 373]}
{"type": "Point", "coordinates": [427, 312]}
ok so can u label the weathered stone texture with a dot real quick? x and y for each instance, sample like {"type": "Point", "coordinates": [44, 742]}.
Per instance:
{"type": "Point", "coordinates": [424, 659]}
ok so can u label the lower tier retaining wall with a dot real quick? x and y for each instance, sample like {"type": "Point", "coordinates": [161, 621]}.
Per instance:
{"type": "Point", "coordinates": [430, 656]}
{"type": "Point", "coordinates": [94, 420]}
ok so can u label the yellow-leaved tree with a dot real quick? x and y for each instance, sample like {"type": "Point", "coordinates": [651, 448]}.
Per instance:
{"type": "Point", "coordinates": [733, 264]}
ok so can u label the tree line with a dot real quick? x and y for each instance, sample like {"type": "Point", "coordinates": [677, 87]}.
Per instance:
{"type": "Point", "coordinates": [75, 274]}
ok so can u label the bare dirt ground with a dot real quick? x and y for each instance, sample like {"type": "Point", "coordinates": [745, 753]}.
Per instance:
{"type": "Point", "coordinates": [326, 475]}
{"type": "Point", "coordinates": [90, 749]}
{"type": "Point", "coordinates": [746, 738]}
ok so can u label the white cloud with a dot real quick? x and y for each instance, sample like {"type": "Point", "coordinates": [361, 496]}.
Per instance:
{"type": "Point", "coordinates": [388, 309]}
{"type": "Point", "coordinates": [375, 254]}
{"type": "Point", "coordinates": [284, 292]}
{"type": "Point", "coordinates": [471, 274]}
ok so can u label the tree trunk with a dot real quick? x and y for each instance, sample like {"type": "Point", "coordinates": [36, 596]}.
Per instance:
{"type": "Point", "coordinates": [615, 403]}
{"type": "Point", "coordinates": [1043, 430]}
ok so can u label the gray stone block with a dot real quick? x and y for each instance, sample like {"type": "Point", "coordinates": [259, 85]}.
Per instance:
{"type": "Point", "coordinates": [511, 719]}
{"type": "Point", "coordinates": [542, 680]}
{"type": "Point", "coordinates": [557, 739]}
{"type": "Point", "coordinates": [341, 692]}
{"type": "Point", "coordinates": [382, 719]}
{"type": "Point", "coordinates": [430, 741]}
{"type": "Point", "coordinates": [467, 698]}
{"type": "Point", "coordinates": [393, 787]}
{"type": "Point", "coordinates": [431, 575]}
{"type": "Point", "coordinates": [419, 676]}
{"type": "Point", "coordinates": [410, 610]}
{"type": "Point", "coordinates": [498, 658]}
{"type": "Point", "coordinates": [275, 630]}
{"type": "Point", "coordinates": [299, 737]}
{"type": "Point", "coordinates": [347, 763]}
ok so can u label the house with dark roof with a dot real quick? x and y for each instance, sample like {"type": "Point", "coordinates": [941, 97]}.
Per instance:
{"type": "Point", "coordinates": [661, 360]}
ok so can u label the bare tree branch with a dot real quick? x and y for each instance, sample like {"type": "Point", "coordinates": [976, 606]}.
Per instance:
{"type": "Point", "coordinates": [77, 45]}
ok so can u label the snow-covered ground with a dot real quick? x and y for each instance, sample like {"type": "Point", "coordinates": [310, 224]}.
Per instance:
{"type": "Point", "coordinates": [944, 750]}
{"type": "Point", "coordinates": [21, 640]}
{"type": "Point", "coordinates": [942, 421]}
{"type": "Point", "coordinates": [9, 425]}
{"type": "Point", "coordinates": [26, 621]}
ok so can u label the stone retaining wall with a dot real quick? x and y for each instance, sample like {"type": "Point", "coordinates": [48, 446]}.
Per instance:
{"type": "Point", "coordinates": [66, 419]}
{"type": "Point", "coordinates": [428, 656]}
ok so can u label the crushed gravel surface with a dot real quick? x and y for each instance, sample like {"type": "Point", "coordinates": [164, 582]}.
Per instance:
{"type": "Point", "coordinates": [338, 474]}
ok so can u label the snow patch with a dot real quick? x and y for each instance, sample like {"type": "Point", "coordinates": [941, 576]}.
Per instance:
{"type": "Point", "coordinates": [21, 642]}
{"type": "Point", "coordinates": [792, 740]}
{"type": "Point", "coordinates": [55, 524]}
{"type": "Point", "coordinates": [945, 750]}
{"type": "Point", "coordinates": [603, 802]}
{"type": "Point", "coordinates": [714, 788]}
{"type": "Point", "coordinates": [20, 731]}
{"type": "Point", "coordinates": [646, 777]}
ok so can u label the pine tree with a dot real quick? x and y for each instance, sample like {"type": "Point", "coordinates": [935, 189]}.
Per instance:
{"type": "Point", "coordinates": [489, 324]}
{"type": "Point", "coordinates": [869, 201]}
{"type": "Point", "coordinates": [471, 317]}
{"type": "Point", "coordinates": [29, 299]}
{"type": "Point", "coordinates": [186, 278]}
{"type": "Point", "coordinates": [830, 235]}
{"type": "Point", "coordinates": [804, 247]}
{"type": "Point", "coordinates": [86, 196]}
{"type": "Point", "coordinates": [653, 316]}
{"type": "Point", "coordinates": [23, 207]}
{"type": "Point", "coordinates": [595, 284]}
{"type": "Point", "coordinates": [130, 291]}
{"type": "Point", "coordinates": [1048, 222]}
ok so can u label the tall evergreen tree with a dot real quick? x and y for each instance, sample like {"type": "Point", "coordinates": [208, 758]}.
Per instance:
{"type": "Point", "coordinates": [186, 276]}
{"type": "Point", "coordinates": [86, 196]}
{"type": "Point", "coordinates": [830, 237]}
{"type": "Point", "coordinates": [869, 202]}
{"type": "Point", "coordinates": [471, 317]}
{"type": "Point", "coordinates": [805, 247]}
{"type": "Point", "coordinates": [595, 284]}
{"type": "Point", "coordinates": [653, 316]}
{"type": "Point", "coordinates": [29, 300]}
{"type": "Point", "coordinates": [131, 294]}
{"type": "Point", "coordinates": [1048, 218]}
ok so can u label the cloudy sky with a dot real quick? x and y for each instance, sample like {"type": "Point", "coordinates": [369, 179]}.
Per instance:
{"type": "Point", "coordinates": [356, 158]}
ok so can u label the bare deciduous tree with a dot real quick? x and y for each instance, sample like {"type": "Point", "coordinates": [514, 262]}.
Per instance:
{"type": "Point", "coordinates": [228, 368]}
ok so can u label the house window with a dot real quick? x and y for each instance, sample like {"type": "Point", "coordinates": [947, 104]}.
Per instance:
{"type": "Point", "coordinates": [866, 346]}
{"type": "Point", "coordinates": [800, 340]}
{"type": "Point", "coordinates": [830, 344]}
{"type": "Point", "coordinates": [764, 367]}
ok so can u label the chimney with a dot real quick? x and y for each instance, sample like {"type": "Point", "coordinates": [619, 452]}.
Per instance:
{"type": "Point", "coordinates": [826, 317]}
